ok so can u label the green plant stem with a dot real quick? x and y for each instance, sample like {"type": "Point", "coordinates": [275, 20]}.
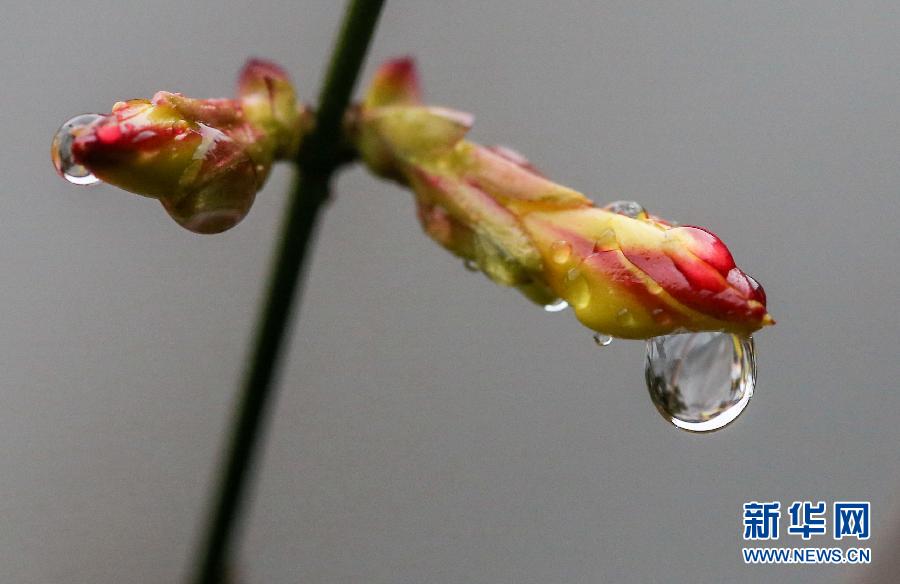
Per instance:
{"type": "Point", "coordinates": [318, 159]}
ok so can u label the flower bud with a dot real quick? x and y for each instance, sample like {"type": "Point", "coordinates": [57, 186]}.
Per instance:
{"type": "Point", "coordinates": [204, 159]}
{"type": "Point", "coordinates": [627, 276]}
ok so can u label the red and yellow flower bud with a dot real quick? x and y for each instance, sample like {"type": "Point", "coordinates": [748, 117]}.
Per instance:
{"type": "Point", "coordinates": [627, 276]}
{"type": "Point", "coordinates": [204, 159]}
{"type": "Point", "coordinates": [624, 272]}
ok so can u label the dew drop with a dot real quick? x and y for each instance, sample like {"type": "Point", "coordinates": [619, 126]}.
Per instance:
{"type": "Point", "coordinates": [604, 240]}
{"type": "Point", "coordinates": [557, 306]}
{"type": "Point", "coordinates": [470, 265]}
{"type": "Point", "coordinates": [577, 291]}
{"type": "Point", "coordinates": [700, 382]}
{"type": "Point", "coordinates": [602, 340]}
{"type": "Point", "coordinates": [624, 317]}
{"type": "Point", "coordinates": [560, 251]}
{"type": "Point", "coordinates": [627, 208]}
{"type": "Point", "coordinates": [661, 317]}
{"type": "Point", "coordinates": [61, 150]}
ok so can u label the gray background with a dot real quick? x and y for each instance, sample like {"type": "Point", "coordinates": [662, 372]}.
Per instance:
{"type": "Point", "coordinates": [432, 427]}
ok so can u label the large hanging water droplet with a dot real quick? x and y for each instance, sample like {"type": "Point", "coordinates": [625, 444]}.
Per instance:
{"type": "Point", "coordinates": [627, 208]}
{"type": "Point", "coordinates": [557, 306]}
{"type": "Point", "coordinates": [701, 381]}
{"type": "Point", "coordinates": [603, 340]}
{"type": "Point", "coordinates": [61, 150]}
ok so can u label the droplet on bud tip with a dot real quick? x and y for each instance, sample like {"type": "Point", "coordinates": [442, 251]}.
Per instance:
{"type": "Point", "coordinates": [701, 382]}
{"type": "Point", "coordinates": [61, 150]}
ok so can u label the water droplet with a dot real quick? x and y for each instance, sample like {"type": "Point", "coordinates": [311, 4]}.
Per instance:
{"type": "Point", "coordinates": [557, 306]}
{"type": "Point", "coordinates": [605, 240]}
{"type": "Point", "coordinates": [61, 150]}
{"type": "Point", "coordinates": [662, 317]}
{"type": "Point", "coordinates": [627, 208]}
{"type": "Point", "coordinates": [560, 251]}
{"type": "Point", "coordinates": [603, 340]}
{"type": "Point", "coordinates": [700, 381]}
{"type": "Point", "coordinates": [471, 265]}
{"type": "Point", "coordinates": [624, 317]}
{"type": "Point", "coordinates": [577, 291]}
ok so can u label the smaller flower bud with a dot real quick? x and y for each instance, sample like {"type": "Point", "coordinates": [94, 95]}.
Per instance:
{"type": "Point", "coordinates": [395, 83]}
{"type": "Point", "coordinates": [269, 103]}
{"type": "Point", "coordinates": [204, 159]}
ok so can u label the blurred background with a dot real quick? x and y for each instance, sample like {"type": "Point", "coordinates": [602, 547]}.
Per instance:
{"type": "Point", "coordinates": [430, 426]}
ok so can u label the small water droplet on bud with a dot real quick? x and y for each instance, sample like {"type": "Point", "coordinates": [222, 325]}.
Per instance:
{"type": "Point", "coordinates": [624, 317]}
{"type": "Point", "coordinates": [627, 208]}
{"type": "Point", "coordinates": [560, 251]}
